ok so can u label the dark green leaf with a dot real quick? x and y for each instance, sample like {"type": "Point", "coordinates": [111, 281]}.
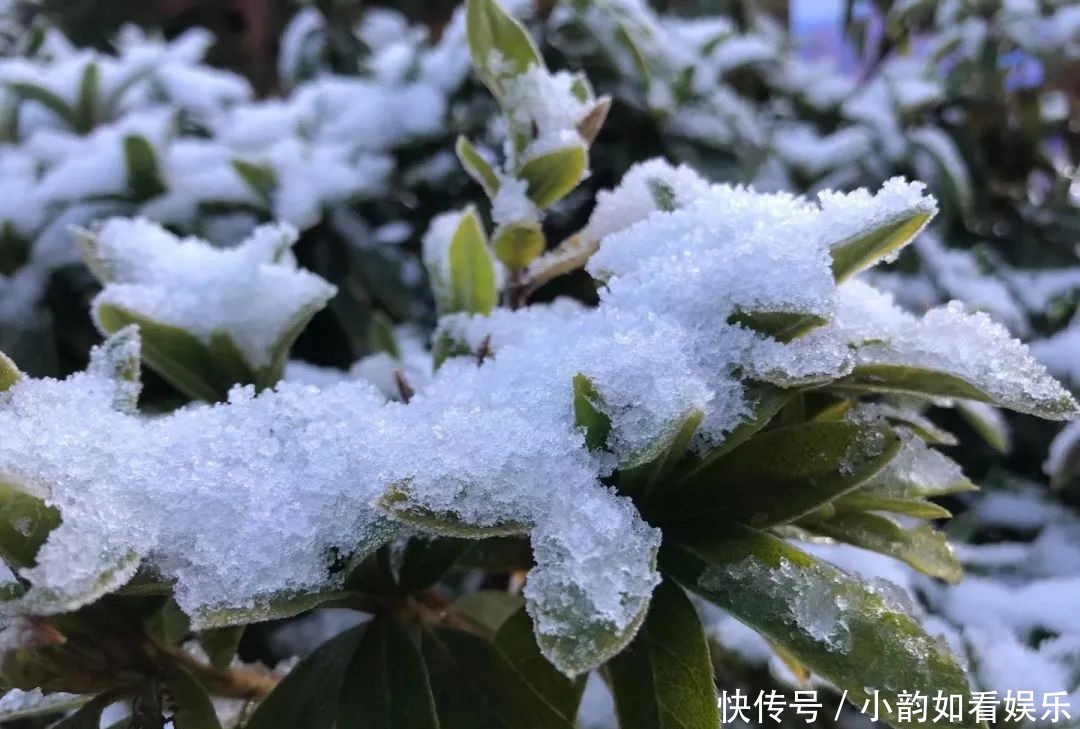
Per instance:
{"type": "Point", "coordinates": [143, 172]}
{"type": "Point", "coordinates": [853, 254]}
{"type": "Point", "coordinates": [869, 501]}
{"type": "Point", "coordinates": [396, 501]}
{"type": "Point", "coordinates": [169, 624]}
{"type": "Point", "coordinates": [279, 608]}
{"type": "Point", "coordinates": [552, 175]}
{"type": "Point", "coordinates": [426, 560]}
{"type": "Point", "coordinates": [589, 413]}
{"type": "Point", "coordinates": [780, 325]}
{"type": "Point", "coordinates": [194, 709]}
{"type": "Point", "coordinates": [769, 401]}
{"type": "Point", "coordinates": [49, 100]}
{"type": "Point", "coordinates": [475, 685]}
{"type": "Point", "coordinates": [641, 475]}
{"type": "Point", "coordinates": [516, 641]}
{"type": "Point", "coordinates": [386, 684]}
{"type": "Point", "coordinates": [86, 111]}
{"type": "Point", "coordinates": [220, 644]}
{"type": "Point", "coordinates": [855, 635]}
{"type": "Point", "coordinates": [228, 362]}
{"type": "Point", "coordinates": [308, 695]}
{"type": "Point", "coordinates": [778, 476]}
{"type": "Point", "coordinates": [921, 546]}
{"type": "Point", "coordinates": [664, 678]}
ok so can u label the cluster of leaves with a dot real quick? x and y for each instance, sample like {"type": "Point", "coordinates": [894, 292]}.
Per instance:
{"type": "Point", "coordinates": [440, 653]}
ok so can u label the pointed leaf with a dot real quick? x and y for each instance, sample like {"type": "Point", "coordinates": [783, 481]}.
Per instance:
{"type": "Point", "coordinates": [921, 546]}
{"type": "Point", "coordinates": [472, 274]}
{"type": "Point", "coordinates": [86, 110]}
{"type": "Point", "coordinates": [868, 501]}
{"type": "Point", "coordinates": [220, 644]}
{"type": "Point", "coordinates": [308, 695]}
{"type": "Point", "coordinates": [500, 46]}
{"type": "Point", "coordinates": [590, 125]}
{"type": "Point", "coordinates": [641, 475]}
{"type": "Point", "coordinates": [988, 422]}
{"type": "Point", "coordinates": [194, 709]}
{"type": "Point", "coordinates": [475, 685]}
{"type": "Point", "coordinates": [516, 641]}
{"type": "Point", "coordinates": [589, 414]}
{"type": "Point", "coordinates": [381, 337]}
{"type": "Point", "coordinates": [386, 684]}
{"type": "Point", "coordinates": [478, 168]}
{"type": "Point", "coordinates": [664, 678]}
{"type": "Point", "coordinates": [49, 100]}
{"type": "Point", "coordinates": [552, 175]}
{"type": "Point", "coordinates": [769, 401]}
{"type": "Point", "coordinates": [145, 180]}
{"type": "Point", "coordinates": [785, 473]}
{"type": "Point", "coordinates": [780, 325]}
{"type": "Point", "coordinates": [260, 178]}
{"type": "Point", "coordinates": [398, 502]}
{"type": "Point", "coordinates": [853, 254]}
{"type": "Point", "coordinates": [228, 362]}
{"type": "Point", "coordinates": [856, 636]}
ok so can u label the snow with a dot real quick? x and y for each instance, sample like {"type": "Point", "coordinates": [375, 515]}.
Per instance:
{"type": "Point", "coordinates": [253, 292]}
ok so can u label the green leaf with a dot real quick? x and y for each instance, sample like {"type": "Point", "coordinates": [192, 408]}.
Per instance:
{"type": "Point", "coordinates": [49, 100]}
{"type": "Point", "coordinates": [785, 473]}
{"type": "Point", "coordinates": [988, 422]}
{"type": "Point", "coordinates": [516, 641]}
{"type": "Point", "coordinates": [552, 175]}
{"type": "Point", "coordinates": [929, 383]}
{"type": "Point", "coordinates": [589, 413]}
{"type": "Point", "coordinates": [852, 634]}
{"type": "Point", "coordinates": [641, 475]}
{"type": "Point", "coordinates": [269, 376]}
{"type": "Point", "coordinates": [869, 501]}
{"type": "Point", "coordinates": [426, 560]}
{"type": "Point", "coordinates": [279, 608]}
{"type": "Point", "coordinates": [472, 274]}
{"type": "Point", "coordinates": [145, 180]}
{"type": "Point", "coordinates": [381, 337]}
{"type": "Point", "coordinates": [769, 401]}
{"type": "Point", "coordinates": [86, 110]}
{"type": "Point", "coordinates": [780, 325]}
{"type": "Point", "coordinates": [220, 644]}
{"type": "Point", "coordinates": [500, 46]}
{"type": "Point", "coordinates": [863, 250]}
{"type": "Point", "coordinates": [178, 356]}
{"type": "Point", "coordinates": [397, 502]}
{"type": "Point", "coordinates": [9, 373]}
{"type": "Point", "coordinates": [194, 709]}
{"type": "Point", "coordinates": [169, 624]}
{"type": "Point", "coordinates": [386, 684]}
{"type": "Point", "coordinates": [662, 194]}
{"type": "Point", "coordinates": [260, 178]}
{"type": "Point", "coordinates": [476, 685]}
{"type": "Point", "coordinates": [488, 609]}
{"type": "Point", "coordinates": [921, 546]}
{"type": "Point", "coordinates": [477, 167]}
{"type": "Point", "coordinates": [519, 244]}
{"type": "Point", "coordinates": [664, 678]}
{"type": "Point", "coordinates": [25, 523]}
{"type": "Point", "coordinates": [308, 695]}
{"type": "Point", "coordinates": [229, 363]}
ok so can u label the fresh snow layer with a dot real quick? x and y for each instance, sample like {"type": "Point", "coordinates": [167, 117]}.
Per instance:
{"type": "Point", "coordinates": [266, 495]}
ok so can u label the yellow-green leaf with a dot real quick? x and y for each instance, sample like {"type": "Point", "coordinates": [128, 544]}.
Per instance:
{"type": "Point", "coordinates": [589, 413]}
{"type": "Point", "coordinates": [500, 46]}
{"type": "Point", "coordinates": [478, 168]}
{"type": "Point", "coordinates": [9, 373]}
{"type": "Point", "coordinates": [519, 244]}
{"type": "Point", "coordinates": [552, 175]}
{"type": "Point", "coordinates": [25, 523]}
{"type": "Point", "coordinates": [472, 273]}
{"type": "Point", "coordinates": [853, 254]}
{"type": "Point", "coordinates": [144, 177]}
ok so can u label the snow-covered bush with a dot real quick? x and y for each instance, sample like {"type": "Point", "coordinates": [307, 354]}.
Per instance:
{"type": "Point", "coordinates": [519, 496]}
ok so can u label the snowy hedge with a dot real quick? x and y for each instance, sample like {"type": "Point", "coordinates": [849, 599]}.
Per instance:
{"type": "Point", "coordinates": [722, 428]}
